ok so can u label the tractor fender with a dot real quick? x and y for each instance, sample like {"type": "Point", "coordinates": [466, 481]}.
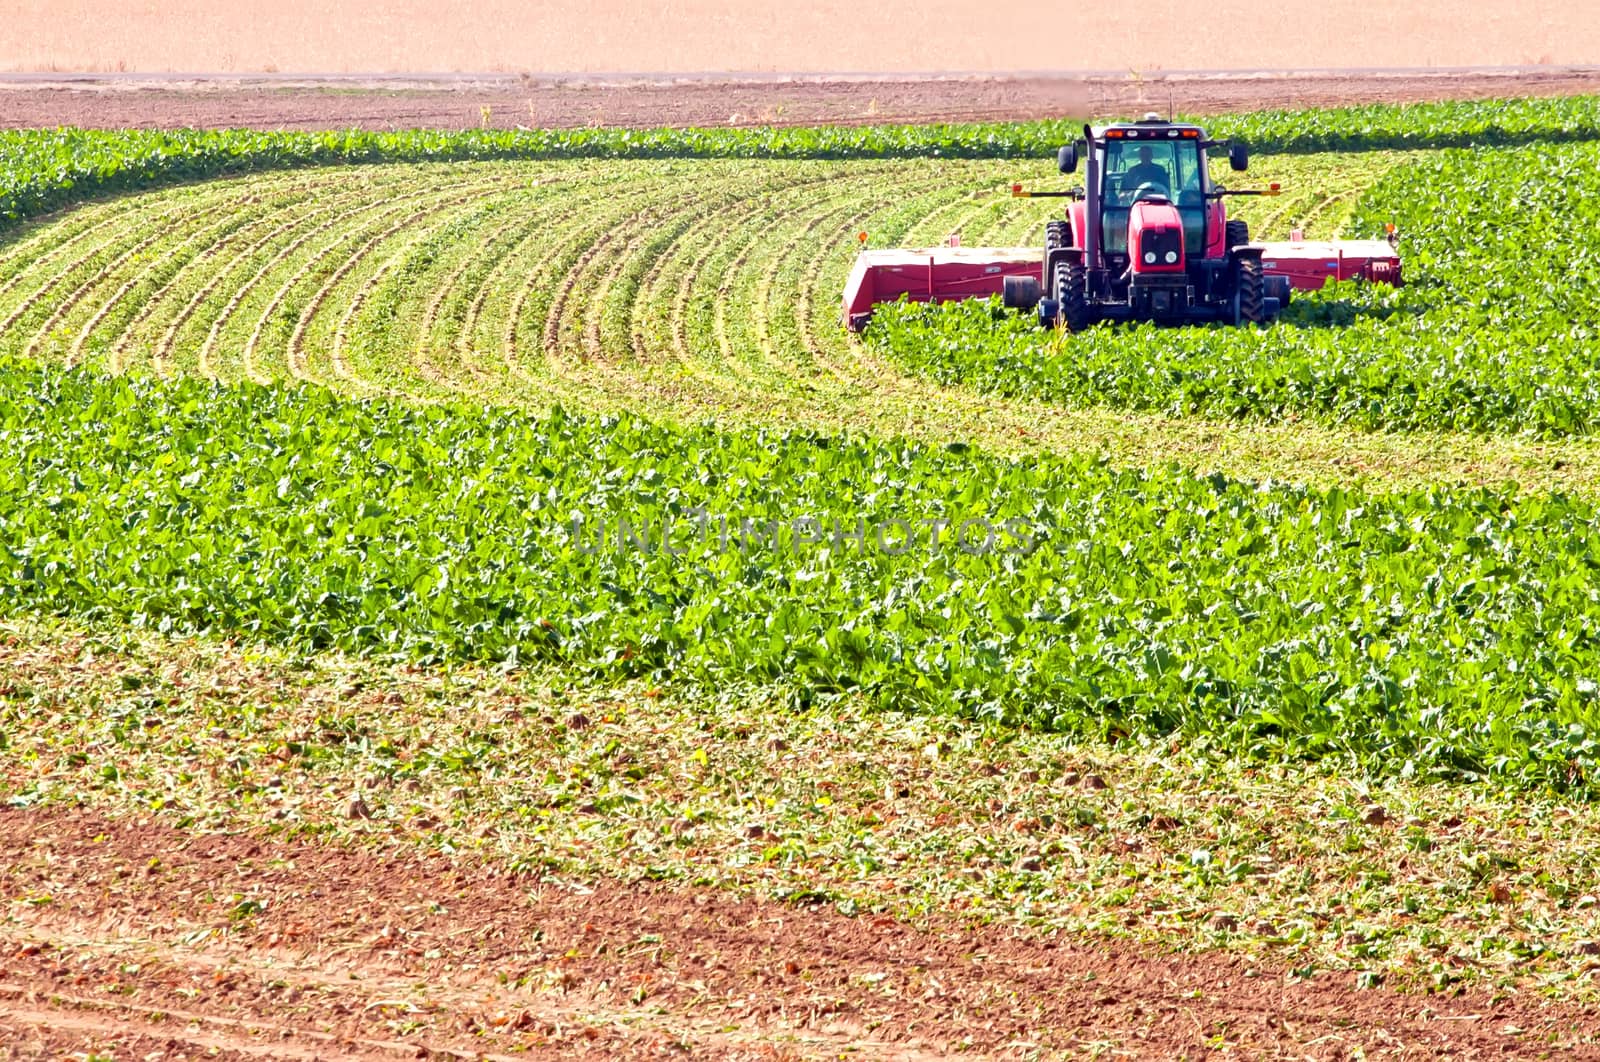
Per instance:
{"type": "Point", "coordinates": [1070, 255]}
{"type": "Point", "coordinates": [1078, 216]}
{"type": "Point", "coordinates": [1249, 250]}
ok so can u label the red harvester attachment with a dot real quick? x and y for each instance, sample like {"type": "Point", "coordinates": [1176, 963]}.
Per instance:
{"type": "Point", "coordinates": [1146, 238]}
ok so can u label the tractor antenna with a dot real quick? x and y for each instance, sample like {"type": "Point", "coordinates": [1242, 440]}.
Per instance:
{"type": "Point", "coordinates": [1169, 102]}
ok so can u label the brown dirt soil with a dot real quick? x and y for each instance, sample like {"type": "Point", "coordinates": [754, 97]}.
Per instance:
{"type": "Point", "coordinates": [561, 36]}
{"type": "Point", "coordinates": [141, 940]}
{"type": "Point", "coordinates": [508, 102]}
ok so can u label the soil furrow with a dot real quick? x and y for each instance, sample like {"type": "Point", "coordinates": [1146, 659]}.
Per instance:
{"type": "Point", "coordinates": [246, 939]}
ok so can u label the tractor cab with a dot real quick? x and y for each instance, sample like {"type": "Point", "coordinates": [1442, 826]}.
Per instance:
{"type": "Point", "coordinates": [1151, 162]}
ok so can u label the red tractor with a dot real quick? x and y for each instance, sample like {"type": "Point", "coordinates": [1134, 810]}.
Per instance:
{"type": "Point", "coordinates": [1146, 238]}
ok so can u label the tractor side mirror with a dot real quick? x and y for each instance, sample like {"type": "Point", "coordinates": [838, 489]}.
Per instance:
{"type": "Point", "coordinates": [1067, 158]}
{"type": "Point", "coordinates": [1239, 157]}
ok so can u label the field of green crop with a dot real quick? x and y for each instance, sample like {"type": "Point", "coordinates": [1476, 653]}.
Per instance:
{"type": "Point", "coordinates": [48, 168]}
{"type": "Point", "coordinates": [577, 406]}
{"type": "Point", "coordinates": [1494, 333]}
{"type": "Point", "coordinates": [1447, 633]}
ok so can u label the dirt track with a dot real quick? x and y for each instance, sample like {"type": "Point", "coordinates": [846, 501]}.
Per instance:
{"type": "Point", "coordinates": [151, 942]}
{"type": "Point", "coordinates": [559, 36]}
{"type": "Point", "coordinates": [390, 104]}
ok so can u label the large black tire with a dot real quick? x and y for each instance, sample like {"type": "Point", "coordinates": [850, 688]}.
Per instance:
{"type": "Point", "coordinates": [1070, 288]}
{"type": "Point", "coordinates": [1057, 234]}
{"type": "Point", "coordinates": [1020, 293]}
{"type": "Point", "coordinates": [1278, 287]}
{"type": "Point", "coordinates": [1252, 309]}
{"type": "Point", "coordinates": [1237, 234]}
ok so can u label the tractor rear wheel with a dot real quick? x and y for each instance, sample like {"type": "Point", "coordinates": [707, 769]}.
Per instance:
{"type": "Point", "coordinates": [1237, 233]}
{"type": "Point", "coordinates": [1251, 287]}
{"type": "Point", "coordinates": [1056, 236]}
{"type": "Point", "coordinates": [1070, 287]}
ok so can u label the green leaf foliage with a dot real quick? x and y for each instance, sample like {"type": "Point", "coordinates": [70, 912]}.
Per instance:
{"type": "Point", "coordinates": [42, 169]}
{"type": "Point", "coordinates": [1448, 633]}
{"type": "Point", "coordinates": [1495, 330]}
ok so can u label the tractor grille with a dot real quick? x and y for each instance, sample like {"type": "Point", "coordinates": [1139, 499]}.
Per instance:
{"type": "Point", "coordinates": [1160, 249]}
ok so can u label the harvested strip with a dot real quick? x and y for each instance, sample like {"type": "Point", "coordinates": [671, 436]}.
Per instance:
{"type": "Point", "coordinates": [223, 266]}
{"type": "Point", "coordinates": [295, 354]}
{"type": "Point", "coordinates": [77, 294]}
{"type": "Point", "coordinates": [310, 266]}
{"type": "Point", "coordinates": [245, 940]}
{"type": "Point", "coordinates": [826, 381]}
{"type": "Point", "coordinates": [203, 237]}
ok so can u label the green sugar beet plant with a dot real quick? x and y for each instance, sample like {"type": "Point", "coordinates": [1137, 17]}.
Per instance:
{"type": "Point", "coordinates": [41, 170]}
{"type": "Point", "coordinates": [1450, 633]}
{"type": "Point", "coordinates": [1495, 330]}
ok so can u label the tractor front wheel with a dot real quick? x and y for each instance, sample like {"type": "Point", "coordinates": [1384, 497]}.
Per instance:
{"type": "Point", "coordinates": [1236, 233]}
{"type": "Point", "coordinates": [1070, 289]}
{"type": "Point", "coordinates": [1252, 306]}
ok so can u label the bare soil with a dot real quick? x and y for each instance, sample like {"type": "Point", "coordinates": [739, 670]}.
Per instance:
{"type": "Point", "coordinates": [695, 36]}
{"type": "Point", "coordinates": [142, 940]}
{"type": "Point", "coordinates": [509, 102]}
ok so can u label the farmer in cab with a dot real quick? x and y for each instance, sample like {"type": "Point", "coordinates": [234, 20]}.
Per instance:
{"type": "Point", "coordinates": [1145, 171]}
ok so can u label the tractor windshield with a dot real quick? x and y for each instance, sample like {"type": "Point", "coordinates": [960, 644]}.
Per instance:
{"type": "Point", "coordinates": [1171, 168]}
